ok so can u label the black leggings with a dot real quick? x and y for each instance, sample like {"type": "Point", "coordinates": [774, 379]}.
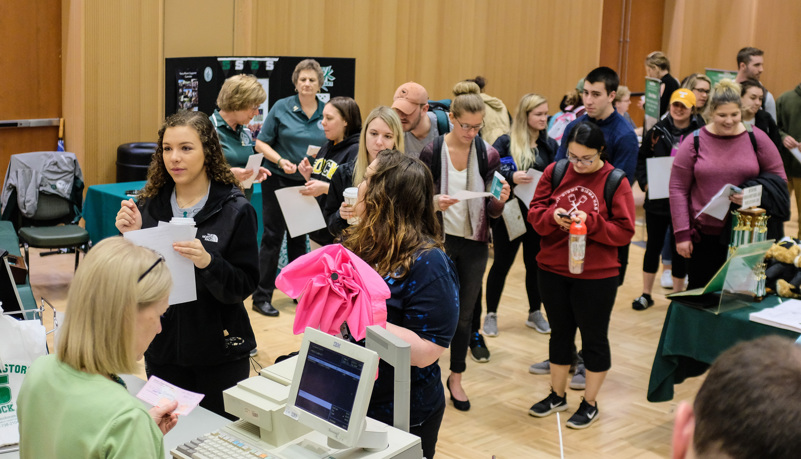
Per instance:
{"type": "Point", "coordinates": [272, 238]}
{"type": "Point", "coordinates": [209, 380]}
{"type": "Point", "coordinates": [428, 432]}
{"type": "Point", "coordinates": [657, 226]}
{"type": "Point", "coordinates": [585, 304]}
{"type": "Point", "coordinates": [505, 253]}
{"type": "Point", "coordinates": [470, 258]}
{"type": "Point", "coordinates": [707, 257]}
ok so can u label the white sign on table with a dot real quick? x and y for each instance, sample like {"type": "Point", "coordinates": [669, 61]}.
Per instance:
{"type": "Point", "coordinates": [752, 197]}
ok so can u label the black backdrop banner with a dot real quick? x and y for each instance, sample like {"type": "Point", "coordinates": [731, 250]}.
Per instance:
{"type": "Point", "coordinates": [208, 74]}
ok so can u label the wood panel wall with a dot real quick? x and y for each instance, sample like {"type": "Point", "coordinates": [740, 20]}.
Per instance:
{"type": "Point", "coordinates": [709, 34]}
{"type": "Point", "coordinates": [114, 83]}
{"type": "Point", "coordinates": [114, 50]}
{"type": "Point", "coordinates": [515, 44]}
{"type": "Point", "coordinates": [437, 43]}
{"type": "Point", "coordinates": [30, 60]}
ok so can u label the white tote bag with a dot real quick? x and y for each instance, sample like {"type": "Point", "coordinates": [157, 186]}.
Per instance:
{"type": "Point", "coordinates": [21, 342]}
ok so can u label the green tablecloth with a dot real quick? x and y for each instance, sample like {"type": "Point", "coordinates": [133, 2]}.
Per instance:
{"type": "Point", "coordinates": [103, 202]}
{"type": "Point", "coordinates": [693, 338]}
{"type": "Point", "coordinates": [10, 242]}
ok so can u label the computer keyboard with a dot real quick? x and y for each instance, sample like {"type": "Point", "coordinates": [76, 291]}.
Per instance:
{"type": "Point", "coordinates": [219, 445]}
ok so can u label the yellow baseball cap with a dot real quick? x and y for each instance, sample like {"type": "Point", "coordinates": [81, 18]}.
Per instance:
{"type": "Point", "coordinates": [685, 96]}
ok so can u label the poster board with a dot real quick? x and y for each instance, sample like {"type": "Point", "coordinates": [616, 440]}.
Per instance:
{"type": "Point", "coordinates": [193, 83]}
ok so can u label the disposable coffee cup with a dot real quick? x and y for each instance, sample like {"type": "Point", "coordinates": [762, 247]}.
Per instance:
{"type": "Point", "coordinates": [350, 195]}
{"type": "Point", "coordinates": [183, 221]}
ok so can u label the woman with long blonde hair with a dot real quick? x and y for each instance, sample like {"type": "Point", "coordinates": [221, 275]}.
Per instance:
{"type": "Point", "coordinates": [381, 130]}
{"type": "Point", "coordinates": [526, 147]}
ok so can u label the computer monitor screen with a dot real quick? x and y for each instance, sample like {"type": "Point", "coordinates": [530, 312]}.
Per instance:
{"type": "Point", "coordinates": [328, 385]}
{"type": "Point", "coordinates": [9, 295]}
{"type": "Point", "coordinates": [332, 385]}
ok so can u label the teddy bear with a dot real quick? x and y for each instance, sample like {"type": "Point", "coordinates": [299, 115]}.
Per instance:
{"type": "Point", "coordinates": [783, 268]}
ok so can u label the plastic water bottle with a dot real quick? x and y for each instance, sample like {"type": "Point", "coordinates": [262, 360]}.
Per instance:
{"type": "Point", "coordinates": [578, 242]}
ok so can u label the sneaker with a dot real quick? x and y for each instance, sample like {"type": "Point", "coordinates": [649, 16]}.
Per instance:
{"type": "Point", "coordinates": [579, 379]}
{"type": "Point", "coordinates": [642, 303]}
{"type": "Point", "coordinates": [491, 324]}
{"type": "Point", "coordinates": [584, 416]}
{"type": "Point", "coordinates": [478, 350]}
{"type": "Point", "coordinates": [667, 278]}
{"type": "Point", "coordinates": [537, 322]}
{"type": "Point", "coordinates": [550, 404]}
{"type": "Point", "coordinates": [544, 368]}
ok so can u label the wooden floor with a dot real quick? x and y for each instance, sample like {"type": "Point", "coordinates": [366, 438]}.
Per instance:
{"type": "Point", "coordinates": [501, 391]}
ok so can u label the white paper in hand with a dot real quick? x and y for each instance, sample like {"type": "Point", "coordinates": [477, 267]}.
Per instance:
{"type": "Point", "coordinates": [254, 162]}
{"type": "Point", "coordinates": [159, 392]}
{"type": "Point", "coordinates": [160, 239]}
{"type": "Point", "coordinates": [464, 195]}
{"type": "Point", "coordinates": [658, 170]}
{"type": "Point", "coordinates": [718, 206]}
{"type": "Point", "coordinates": [525, 191]}
{"type": "Point", "coordinates": [302, 213]}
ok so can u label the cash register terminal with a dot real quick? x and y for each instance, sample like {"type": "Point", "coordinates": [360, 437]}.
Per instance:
{"type": "Point", "coordinates": [313, 405]}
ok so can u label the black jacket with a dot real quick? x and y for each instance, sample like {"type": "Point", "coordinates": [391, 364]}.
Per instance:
{"type": "Point", "coordinates": [659, 142]}
{"type": "Point", "coordinates": [764, 121]}
{"type": "Point", "coordinates": [330, 158]}
{"type": "Point", "coordinates": [194, 333]}
{"type": "Point", "coordinates": [343, 178]}
{"type": "Point", "coordinates": [775, 201]}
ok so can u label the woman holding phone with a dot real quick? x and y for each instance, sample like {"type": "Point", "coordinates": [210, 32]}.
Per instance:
{"type": "Point", "coordinates": [580, 301]}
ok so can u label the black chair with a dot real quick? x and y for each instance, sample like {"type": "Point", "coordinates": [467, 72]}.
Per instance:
{"type": "Point", "coordinates": [47, 230]}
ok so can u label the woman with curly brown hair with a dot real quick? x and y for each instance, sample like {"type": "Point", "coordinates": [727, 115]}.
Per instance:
{"type": "Point", "coordinates": [205, 343]}
{"type": "Point", "coordinates": [399, 236]}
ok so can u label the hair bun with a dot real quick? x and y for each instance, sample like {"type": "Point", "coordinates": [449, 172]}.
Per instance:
{"type": "Point", "coordinates": [466, 87]}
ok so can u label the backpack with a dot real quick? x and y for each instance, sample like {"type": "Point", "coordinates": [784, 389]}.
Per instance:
{"type": "Point", "coordinates": [481, 153]}
{"type": "Point", "coordinates": [748, 128]}
{"type": "Point", "coordinates": [561, 121]}
{"type": "Point", "coordinates": [440, 109]}
{"type": "Point", "coordinates": [612, 181]}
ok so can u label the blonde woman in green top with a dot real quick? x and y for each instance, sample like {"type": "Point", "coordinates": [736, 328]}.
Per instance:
{"type": "Point", "coordinates": [73, 404]}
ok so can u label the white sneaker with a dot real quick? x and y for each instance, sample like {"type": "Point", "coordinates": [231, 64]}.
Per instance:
{"type": "Point", "coordinates": [667, 279]}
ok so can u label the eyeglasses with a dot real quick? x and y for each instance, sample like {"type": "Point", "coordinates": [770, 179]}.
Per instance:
{"type": "Point", "coordinates": [702, 91]}
{"type": "Point", "coordinates": [150, 269]}
{"type": "Point", "coordinates": [470, 127]}
{"type": "Point", "coordinates": [585, 161]}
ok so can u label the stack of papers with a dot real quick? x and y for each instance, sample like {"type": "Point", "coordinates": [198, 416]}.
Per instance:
{"type": "Point", "coordinates": [786, 315]}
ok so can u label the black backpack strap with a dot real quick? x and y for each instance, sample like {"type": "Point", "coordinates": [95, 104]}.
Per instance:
{"type": "Point", "coordinates": [436, 158]}
{"type": "Point", "coordinates": [751, 135]}
{"type": "Point", "coordinates": [696, 141]}
{"type": "Point", "coordinates": [559, 172]}
{"type": "Point", "coordinates": [481, 154]}
{"type": "Point", "coordinates": [612, 183]}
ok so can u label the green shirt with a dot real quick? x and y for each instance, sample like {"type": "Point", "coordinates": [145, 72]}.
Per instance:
{"type": "Point", "coordinates": [68, 413]}
{"type": "Point", "coordinates": [237, 144]}
{"type": "Point", "coordinates": [289, 131]}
